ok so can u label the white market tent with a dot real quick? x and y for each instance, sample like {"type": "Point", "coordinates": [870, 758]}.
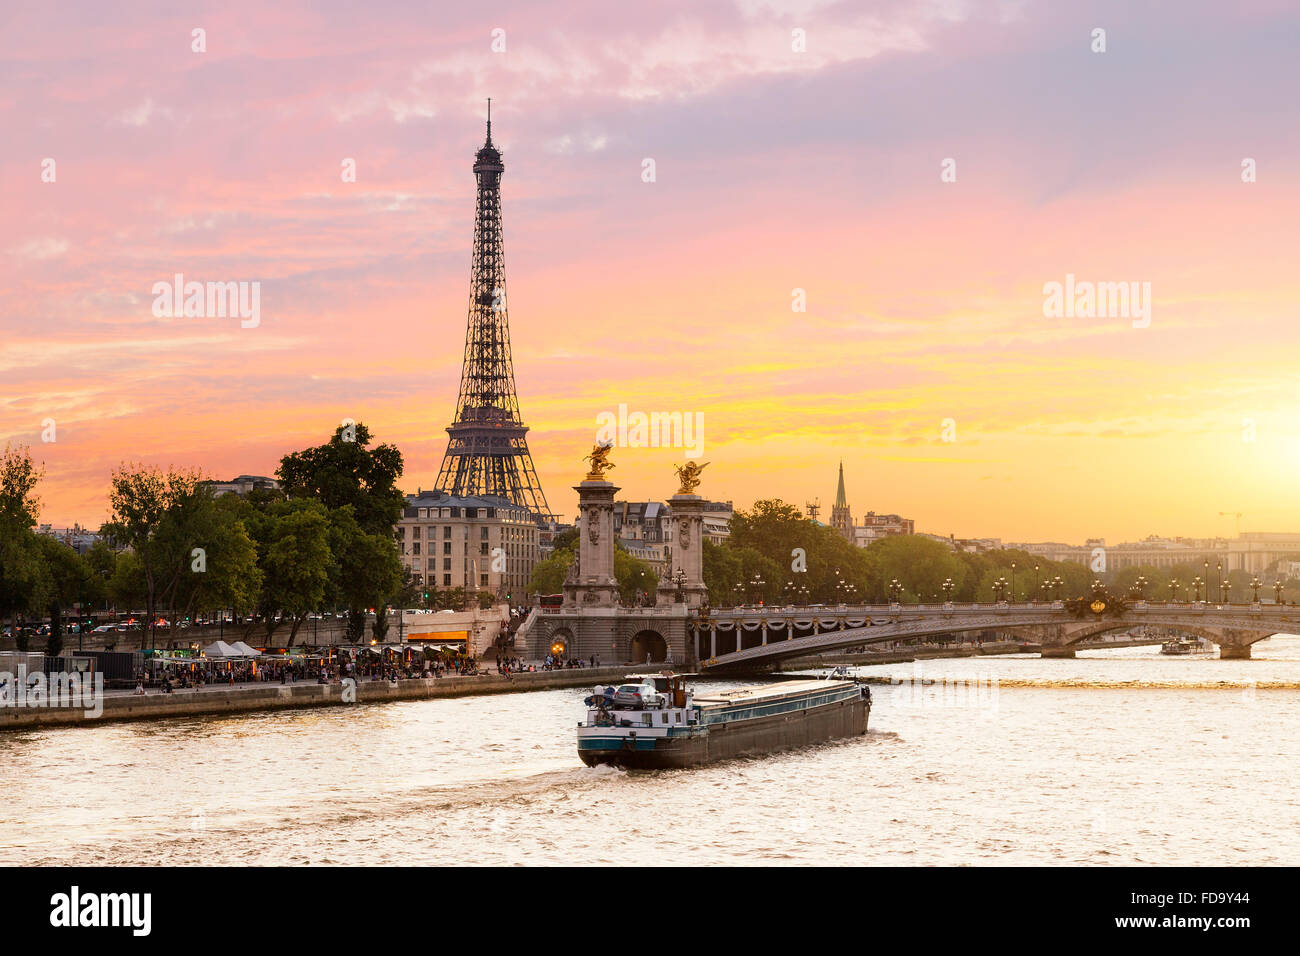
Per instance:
{"type": "Point", "coordinates": [220, 649]}
{"type": "Point", "coordinates": [243, 650]}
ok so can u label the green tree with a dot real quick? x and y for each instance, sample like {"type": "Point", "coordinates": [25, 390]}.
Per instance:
{"type": "Point", "coordinates": [296, 561]}
{"type": "Point", "coordinates": [797, 553]}
{"type": "Point", "coordinates": [101, 562]}
{"type": "Point", "coordinates": [227, 576]}
{"type": "Point", "coordinates": [67, 573]}
{"type": "Point", "coordinates": [566, 540]}
{"type": "Point", "coordinates": [921, 565]}
{"type": "Point", "coordinates": [126, 588]}
{"type": "Point", "coordinates": [346, 472]}
{"type": "Point", "coordinates": [366, 571]}
{"type": "Point", "coordinates": [634, 576]}
{"type": "Point", "coordinates": [24, 580]}
{"type": "Point", "coordinates": [548, 574]}
{"type": "Point", "coordinates": [154, 513]}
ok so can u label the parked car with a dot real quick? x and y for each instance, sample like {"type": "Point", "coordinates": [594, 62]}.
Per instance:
{"type": "Point", "coordinates": [637, 695]}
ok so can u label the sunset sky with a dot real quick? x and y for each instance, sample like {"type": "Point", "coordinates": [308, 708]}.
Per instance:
{"type": "Point", "coordinates": [775, 170]}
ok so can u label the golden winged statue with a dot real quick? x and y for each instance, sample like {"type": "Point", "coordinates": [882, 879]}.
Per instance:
{"type": "Point", "coordinates": [689, 474]}
{"type": "Point", "coordinates": [600, 462]}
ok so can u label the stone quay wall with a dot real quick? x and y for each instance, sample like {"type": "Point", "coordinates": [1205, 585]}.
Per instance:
{"type": "Point", "coordinates": [274, 696]}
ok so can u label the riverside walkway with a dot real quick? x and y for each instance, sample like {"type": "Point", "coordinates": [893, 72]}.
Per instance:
{"type": "Point", "coordinates": [210, 699]}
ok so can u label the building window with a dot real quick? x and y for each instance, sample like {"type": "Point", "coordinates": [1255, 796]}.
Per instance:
{"type": "Point", "coordinates": [415, 548]}
{"type": "Point", "coordinates": [415, 532]}
{"type": "Point", "coordinates": [446, 580]}
{"type": "Point", "coordinates": [446, 531]}
{"type": "Point", "coordinates": [482, 580]}
{"type": "Point", "coordinates": [446, 564]}
{"type": "Point", "coordinates": [483, 533]}
{"type": "Point", "coordinates": [446, 547]}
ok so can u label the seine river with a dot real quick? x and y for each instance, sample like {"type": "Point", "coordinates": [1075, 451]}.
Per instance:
{"type": "Point", "coordinates": [1116, 757]}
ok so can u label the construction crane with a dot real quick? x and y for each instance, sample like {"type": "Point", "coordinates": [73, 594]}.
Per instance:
{"type": "Point", "coordinates": [1233, 514]}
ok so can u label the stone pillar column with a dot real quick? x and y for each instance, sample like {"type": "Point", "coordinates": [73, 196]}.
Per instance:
{"type": "Point", "coordinates": [713, 642]}
{"type": "Point", "coordinates": [594, 584]}
{"type": "Point", "coordinates": [684, 578]}
{"type": "Point", "coordinates": [1235, 645]}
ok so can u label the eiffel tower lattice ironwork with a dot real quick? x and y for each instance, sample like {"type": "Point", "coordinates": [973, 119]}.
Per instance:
{"type": "Point", "coordinates": [487, 448]}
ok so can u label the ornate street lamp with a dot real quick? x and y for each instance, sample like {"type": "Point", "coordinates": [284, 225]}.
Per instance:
{"type": "Point", "coordinates": [1013, 581]}
{"type": "Point", "coordinates": [1255, 586]}
{"type": "Point", "coordinates": [1196, 585]}
{"type": "Point", "coordinates": [1277, 591]}
{"type": "Point", "coordinates": [1173, 590]}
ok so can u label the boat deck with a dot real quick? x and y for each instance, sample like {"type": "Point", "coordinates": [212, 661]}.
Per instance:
{"type": "Point", "coordinates": [764, 693]}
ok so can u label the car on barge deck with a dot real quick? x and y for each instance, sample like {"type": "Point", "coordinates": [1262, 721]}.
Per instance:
{"type": "Point", "coordinates": [655, 721]}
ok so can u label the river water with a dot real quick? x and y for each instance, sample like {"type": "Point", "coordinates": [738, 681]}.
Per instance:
{"type": "Point", "coordinates": [1117, 757]}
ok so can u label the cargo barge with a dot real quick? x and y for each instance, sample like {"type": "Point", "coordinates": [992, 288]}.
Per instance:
{"type": "Point", "coordinates": [654, 721]}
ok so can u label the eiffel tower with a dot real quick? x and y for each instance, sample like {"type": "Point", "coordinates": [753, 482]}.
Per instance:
{"type": "Point", "coordinates": [487, 451]}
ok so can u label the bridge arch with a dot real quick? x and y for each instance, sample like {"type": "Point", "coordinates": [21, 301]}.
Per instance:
{"type": "Point", "coordinates": [561, 642]}
{"type": "Point", "coordinates": [1233, 627]}
{"type": "Point", "coordinates": [648, 646]}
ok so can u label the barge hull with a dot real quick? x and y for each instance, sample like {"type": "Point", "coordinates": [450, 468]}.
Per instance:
{"type": "Point", "coordinates": [758, 735]}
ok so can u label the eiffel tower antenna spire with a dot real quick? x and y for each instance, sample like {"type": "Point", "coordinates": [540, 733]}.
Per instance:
{"type": "Point", "coordinates": [487, 448]}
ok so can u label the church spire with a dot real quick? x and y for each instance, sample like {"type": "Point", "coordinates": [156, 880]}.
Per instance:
{"type": "Point", "coordinates": [841, 517]}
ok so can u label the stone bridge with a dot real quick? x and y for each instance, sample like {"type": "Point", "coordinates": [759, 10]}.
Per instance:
{"type": "Point", "coordinates": [760, 638]}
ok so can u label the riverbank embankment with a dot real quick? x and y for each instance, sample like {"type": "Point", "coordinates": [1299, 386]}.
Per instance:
{"type": "Point", "coordinates": [240, 698]}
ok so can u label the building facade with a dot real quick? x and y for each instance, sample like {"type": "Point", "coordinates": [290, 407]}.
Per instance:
{"type": "Point", "coordinates": [873, 527]}
{"type": "Point", "coordinates": [77, 538]}
{"type": "Point", "coordinates": [242, 485]}
{"type": "Point", "coordinates": [1254, 552]}
{"type": "Point", "coordinates": [477, 543]}
{"type": "Point", "coordinates": [644, 528]}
